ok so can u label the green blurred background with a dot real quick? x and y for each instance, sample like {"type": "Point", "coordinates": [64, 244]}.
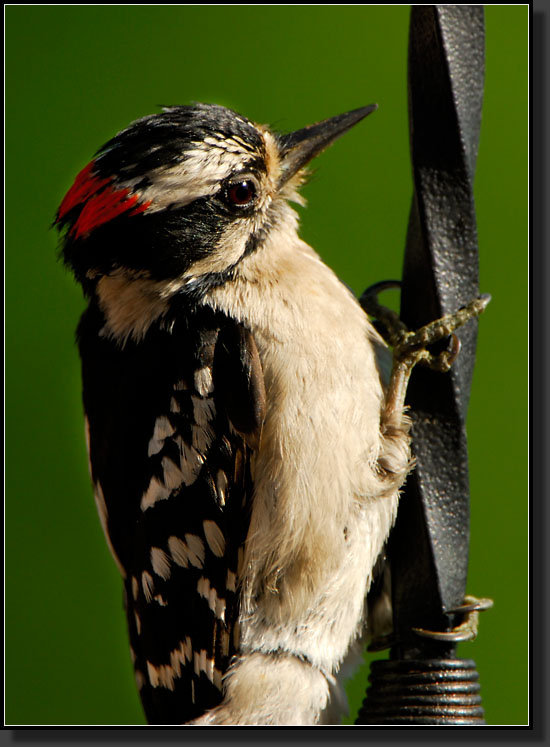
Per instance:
{"type": "Point", "coordinates": [75, 75]}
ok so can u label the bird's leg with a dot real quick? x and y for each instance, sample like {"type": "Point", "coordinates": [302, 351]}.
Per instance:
{"type": "Point", "coordinates": [411, 347]}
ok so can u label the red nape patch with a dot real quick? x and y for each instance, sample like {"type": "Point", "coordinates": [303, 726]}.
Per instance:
{"type": "Point", "coordinates": [105, 206]}
{"type": "Point", "coordinates": [85, 185]}
{"type": "Point", "coordinates": [100, 202]}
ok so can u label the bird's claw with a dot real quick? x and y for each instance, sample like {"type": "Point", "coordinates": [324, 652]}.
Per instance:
{"type": "Point", "coordinates": [414, 344]}
{"type": "Point", "coordinates": [412, 347]}
{"type": "Point", "coordinates": [467, 629]}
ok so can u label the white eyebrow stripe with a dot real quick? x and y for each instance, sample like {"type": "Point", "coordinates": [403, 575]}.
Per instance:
{"type": "Point", "coordinates": [197, 175]}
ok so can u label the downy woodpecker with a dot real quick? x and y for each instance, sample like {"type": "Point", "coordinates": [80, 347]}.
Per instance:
{"type": "Point", "coordinates": [245, 469]}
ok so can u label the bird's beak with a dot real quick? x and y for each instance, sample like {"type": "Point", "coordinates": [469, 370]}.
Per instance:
{"type": "Point", "coordinates": [298, 148]}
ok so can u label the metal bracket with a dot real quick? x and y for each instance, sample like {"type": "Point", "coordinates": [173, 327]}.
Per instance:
{"type": "Point", "coordinates": [428, 547]}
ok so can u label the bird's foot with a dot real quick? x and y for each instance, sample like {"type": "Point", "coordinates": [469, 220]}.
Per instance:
{"type": "Point", "coordinates": [466, 630]}
{"type": "Point", "coordinates": [412, 346]}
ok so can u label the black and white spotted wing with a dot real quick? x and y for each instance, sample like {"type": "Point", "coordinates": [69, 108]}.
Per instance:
{"type": "Point", "coordinates": [172, 423]}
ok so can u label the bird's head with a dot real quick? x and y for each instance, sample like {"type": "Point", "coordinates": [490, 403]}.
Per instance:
{"type": "Point", "coordinates": [180, 197]}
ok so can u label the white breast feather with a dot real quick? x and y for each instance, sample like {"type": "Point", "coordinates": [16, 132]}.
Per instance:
{"type": "Point", "coordinates": [321, 512]}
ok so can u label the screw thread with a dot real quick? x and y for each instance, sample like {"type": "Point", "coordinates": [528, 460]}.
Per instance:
{"type": "Point", "coordinates": [432, 691]}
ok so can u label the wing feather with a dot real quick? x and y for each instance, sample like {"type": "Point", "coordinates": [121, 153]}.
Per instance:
{"type": "Point", "coordinates": [173, 424]}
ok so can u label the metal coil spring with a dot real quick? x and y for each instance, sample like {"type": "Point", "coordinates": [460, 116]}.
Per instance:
{"type": "Point", "coordinates": [433, 691]}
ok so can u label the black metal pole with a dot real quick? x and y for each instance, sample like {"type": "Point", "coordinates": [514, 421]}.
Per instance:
{"type": "Point", "coordinates": [423, 682]}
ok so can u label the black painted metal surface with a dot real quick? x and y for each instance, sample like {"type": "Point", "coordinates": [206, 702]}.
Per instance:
{"type": "Point", "coordinates": [429, 544]}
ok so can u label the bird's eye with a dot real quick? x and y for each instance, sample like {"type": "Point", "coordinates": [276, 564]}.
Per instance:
{"type": "Point", "coordinates": [241, 194]}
